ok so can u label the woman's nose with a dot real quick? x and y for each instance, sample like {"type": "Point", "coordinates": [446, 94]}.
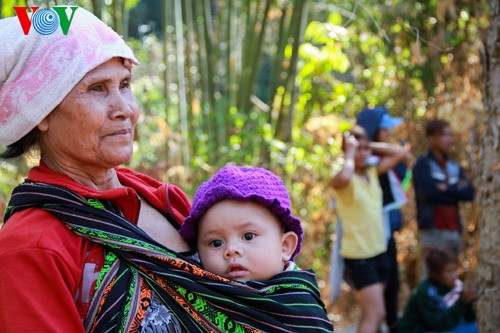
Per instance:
{"type": "Point", "coordinates": [122, 106]}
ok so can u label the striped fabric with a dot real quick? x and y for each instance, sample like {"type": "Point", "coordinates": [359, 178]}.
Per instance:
{"type": "Point", "coordinates": [137, 266]}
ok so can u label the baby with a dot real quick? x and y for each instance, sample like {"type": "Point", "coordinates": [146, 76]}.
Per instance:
{"type": "Point", "coordinates": [242, 226]}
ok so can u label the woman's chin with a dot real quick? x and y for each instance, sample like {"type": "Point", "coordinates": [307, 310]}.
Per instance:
{"type": "Point", "coordinates": [118, 157]}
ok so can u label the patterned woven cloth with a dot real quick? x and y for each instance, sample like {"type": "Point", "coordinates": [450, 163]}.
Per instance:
{"type": "Point", "coordinates": [137, 266]}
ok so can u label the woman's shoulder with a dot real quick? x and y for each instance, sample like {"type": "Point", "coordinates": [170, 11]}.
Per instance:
{"type": "Point", "coordinates": [43, 264]}
{"type": "Point", "coordinates": [34, 229]}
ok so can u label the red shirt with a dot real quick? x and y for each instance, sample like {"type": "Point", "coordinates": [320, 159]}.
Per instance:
{"type": "Point", "coordinates": [48, 273]}
{"type": "Point", "coordinates": [445, 216]}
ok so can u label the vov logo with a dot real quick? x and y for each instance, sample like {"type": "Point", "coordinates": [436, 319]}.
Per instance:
{"type": "Point", "coordinates": [46, 20]}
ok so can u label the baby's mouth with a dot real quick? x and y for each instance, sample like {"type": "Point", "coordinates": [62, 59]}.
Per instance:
{"type": "Point", "coordinates": [236, 271]}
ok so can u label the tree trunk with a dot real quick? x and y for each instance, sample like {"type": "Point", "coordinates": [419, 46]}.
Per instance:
{"type": "Point", "coordinates": [488, 306]}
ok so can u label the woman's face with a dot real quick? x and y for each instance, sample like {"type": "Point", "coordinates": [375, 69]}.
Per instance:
{"type": "Point", "coordinates": [93, 127]}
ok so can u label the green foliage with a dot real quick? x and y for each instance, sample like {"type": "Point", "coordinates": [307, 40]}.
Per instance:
{"type": "Point", "coordinates": [8, 180]}
{"type": "Point", "coordinates": [12, 172]}
{"type": "Point", "coordinates": [6, 9]}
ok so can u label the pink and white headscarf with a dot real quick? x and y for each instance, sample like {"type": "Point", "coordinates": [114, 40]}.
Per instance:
{"type": "Point", "coordinates": [38, 71]}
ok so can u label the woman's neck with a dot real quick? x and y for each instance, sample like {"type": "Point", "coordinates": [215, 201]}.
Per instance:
{"type": "Point", "coordinates": [101, 179]}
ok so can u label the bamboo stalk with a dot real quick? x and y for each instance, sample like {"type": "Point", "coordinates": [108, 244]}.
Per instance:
{"type": "Point", "coordinates": [191, 92]}
{"type": "Point", "coordinates": [125, 17]}
{"type": "Point", "coordinates": [213, 143]}
{"type": "Point", "coordinates": [165, 21]}
{"type": "Point", "coordinates": [202, 65]}
{"type": "Point", "coordinates": [248, 41]}
{"type": "Point", "coordinates": [297, 40]}
{"type": "Point", "coordinates": [255, 58]}
{"type": "Point", "coordinates": [182, 81]}
{"type": "Point", "coordinates": [115, 17]}
{"type": "Point", "coordinates": [282, 130]}
{"type": "Point", "coordinates": [229, 72]}
{"type": "Point", "coordinates": [97, 6]}
{"type": "Point", "coordinates": [276, 77]}
{"type": "Point", "coordinates": [278, 60]}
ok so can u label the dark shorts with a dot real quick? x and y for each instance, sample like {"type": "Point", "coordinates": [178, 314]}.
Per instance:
{"type": "Point", "coordinates": [364, 272]}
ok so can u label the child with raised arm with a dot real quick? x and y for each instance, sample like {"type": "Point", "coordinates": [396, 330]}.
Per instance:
{"type": "Point", "coordinates": [359, 205]}
{"type": "Point", "coordinates": [379, 124]}
{"type": "Point", "coordinates": [242, 226]}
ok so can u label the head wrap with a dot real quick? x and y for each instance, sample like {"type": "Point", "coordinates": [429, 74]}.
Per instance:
{"type": "Point", "coordinates": [38, 71]}
{"type": "Point", "coordinates": [243, 184]}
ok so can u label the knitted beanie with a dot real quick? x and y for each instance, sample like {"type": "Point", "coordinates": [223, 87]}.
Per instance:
{"type": "Point", "coordinates": [243, 184]}
{"type": "Point", "coordinates": [38, 71]}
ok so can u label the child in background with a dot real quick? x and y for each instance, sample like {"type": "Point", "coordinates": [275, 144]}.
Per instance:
{"type": "Point", "coordinates": [440, 185]}
{"type": "Point", "coordinates": [378, 125]}
{"type": "Point", "coordinates": [242, 226]}
{"type": "Point", "coordinates": [359, 205]}
{"type": "Point", "coordinates": [439, 303]}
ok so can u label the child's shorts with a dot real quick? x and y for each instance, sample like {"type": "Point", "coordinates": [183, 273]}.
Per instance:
{"type": "Point", "coordinates": [365, 272]}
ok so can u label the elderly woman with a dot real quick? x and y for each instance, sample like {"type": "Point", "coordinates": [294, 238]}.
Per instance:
{"type": "Point", "coordinates": [90, 246]}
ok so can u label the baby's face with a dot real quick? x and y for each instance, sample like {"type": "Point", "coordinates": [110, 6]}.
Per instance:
{"type": "Point", "coordinates": [242, 241]}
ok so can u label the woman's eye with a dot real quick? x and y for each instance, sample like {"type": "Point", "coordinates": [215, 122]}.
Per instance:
{"type": "Point", "coordinates": [125, 85]}
{"type": "Point", "coordinates": [96, 87]}
{"type": "Point", "coordinates": [216, 243]}
{"type": "Point", "coordinates": [248, 236]}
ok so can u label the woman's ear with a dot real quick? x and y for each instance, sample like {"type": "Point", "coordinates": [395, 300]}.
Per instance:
{"type": "Point", "coordinates": [289, 242]}
{"type": "Point", "coordinates": [43, 126]}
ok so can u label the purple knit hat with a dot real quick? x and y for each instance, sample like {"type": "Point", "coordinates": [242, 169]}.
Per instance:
{"type": "Point", "coordinates": [243, 184]}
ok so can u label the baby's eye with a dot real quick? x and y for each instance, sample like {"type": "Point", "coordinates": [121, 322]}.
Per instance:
{"type": "Point", "coordinates": [216, 243]}
{"type": "Point", "coordinates": [248, 236]}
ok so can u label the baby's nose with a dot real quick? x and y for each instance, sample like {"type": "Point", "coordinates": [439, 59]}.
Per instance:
{"type": "Point", "coordinates": [231, 250]}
